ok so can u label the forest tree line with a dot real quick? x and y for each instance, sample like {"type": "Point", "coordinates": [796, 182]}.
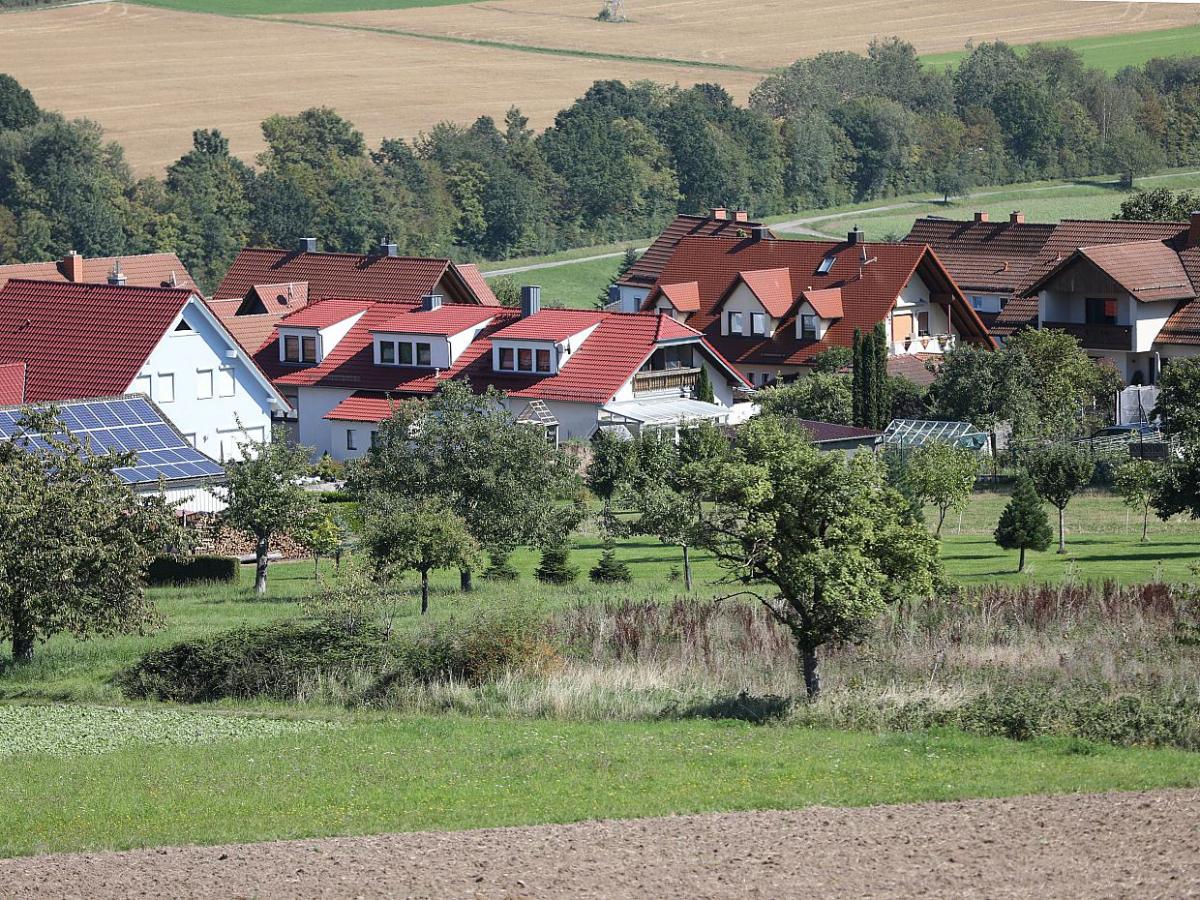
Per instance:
{"type": "Point", "coordinates": [618, 163]}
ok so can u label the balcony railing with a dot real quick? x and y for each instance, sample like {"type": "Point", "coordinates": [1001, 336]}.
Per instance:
{"type": "Point", "coordinates": [664, 380]}
{"type": "Point", "coordinates": [1097, 337]}
{"type": "Point", "coordinates": [928, 343]}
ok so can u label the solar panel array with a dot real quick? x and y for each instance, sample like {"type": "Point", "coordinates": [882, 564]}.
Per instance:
{"type": "Point", "coordinates": [125, 425]}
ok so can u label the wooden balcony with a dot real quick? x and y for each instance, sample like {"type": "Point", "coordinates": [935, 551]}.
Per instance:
{"type": "Point", "coordinates": [677, 380]}
{"type": "Point", "coordinates": [1097, 337]}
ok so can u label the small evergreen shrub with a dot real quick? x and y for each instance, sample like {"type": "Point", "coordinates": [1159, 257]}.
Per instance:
{"type": "Point", "coordinates": [500, 568]}
{"type": "Point", "coordinates": [170, 571]}
{"type": "Point", "coordinates": [609, 569]}
{"type": "Point", "coordinates": [555, 567]}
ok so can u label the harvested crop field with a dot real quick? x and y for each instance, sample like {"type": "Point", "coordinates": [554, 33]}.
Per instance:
{"type": "Point", "coordinates": [769, 33]}
{"type": "Point", "coordinates": [1099, 845]}
{"type": "Point", "coordinates": [150, 76]}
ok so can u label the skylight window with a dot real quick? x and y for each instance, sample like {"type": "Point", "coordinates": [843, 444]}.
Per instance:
{"type": "Point", "coordinates": [826, 264]}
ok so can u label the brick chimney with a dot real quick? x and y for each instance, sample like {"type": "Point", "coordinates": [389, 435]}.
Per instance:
{"type": "Point", "coordinates": [1016, 217]}
{"type": "Point", "coordinates": [72, 267]}
{"type": "Point", "coordinates": [981, 217]}
{"type": "Point", "coordinates": [1193, 239]}
{"type": "Point", "coordinates": [720, 213]}
{"type": "Point", "coordinates": [741, 216]}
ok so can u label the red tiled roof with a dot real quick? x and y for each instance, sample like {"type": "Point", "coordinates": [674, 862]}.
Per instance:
{"type": "Point", "coordinates": [772, 287]}
{"type": "Point", "coordinates": [141, 270]}
{"type": "Point", "coordinates": [12, 383]}
{"type": "Point", "coordinates": [646, 271]}
{"type": "Point", "coordinates": [599, 368]}
{"type": "Point", "coordinates": [684, 297]}
{"type": "Point", "coordinates": [475, 280]}
{"type": "Point", "coordinates": [827, 303]}
{"type": "Point", "coordinates": [1018, 313]}
{"type": "Point", "coordinates": [387, 279]}
{"type": "Point", "coordinates": [287, 295]}
{"type": "Point", "coordinates": [911, 367]}
{"type": "Point", "coordinates": [869, 290]}
{"type": "Point", "coordinates": [987, 257]}
{"type": "Point", "coordinates": [550, 325]}
{"type": "Point", "coordinates": [832, 431]}
{"type": "Point", "coordinates": [82, 340]}
{"type": "Point", "coordinates": [363, 406]}
{"type": "Point", "coordinates": [251, 319]}
{"type": "Point", "coordinates": [446, 320]}
{"type": "Point", "coordinates": [325, 313]}
{"type": "Point", "coordinates": [1147, 270]}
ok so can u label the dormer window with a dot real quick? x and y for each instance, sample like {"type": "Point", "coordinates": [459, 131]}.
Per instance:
{"type": "Point", "coordinates": [758, 324]}
{"type": "Point", "coordinates": [401, 352]}
{"type": "Point", "coordinates": [735, 323]}
{"type": "Point", "coordinates": [300, 349]}
{"type": "Point", "coordinates": [507, 359]}
{"type": "Point", "coordinates": [537, 360]}
{"type": "Point", "coordinates": [808, 328]}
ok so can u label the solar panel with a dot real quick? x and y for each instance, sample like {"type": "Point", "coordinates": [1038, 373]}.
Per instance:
{"type": "Point", "coordinates": [125, 425]}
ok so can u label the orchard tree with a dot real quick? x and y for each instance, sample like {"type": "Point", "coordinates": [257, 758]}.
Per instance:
{"type": "Point", "coordinates": [834, 543]}
{"type": "Point", "coordinates": [1179, 398]}
{"type": "Point", "coordinates": [75, 540]}
{"type": "Point", "coordinates": [1135, 481]}
{"type": "Point", "coordinates": [265, 497]}
{"type": "Point", "coordinates": [944, 475]}
{"type": "Point", "coordinates": [1063, 381]}
{"type": "Point", "coordinates": [983, 387]}
{"type": "Point", "coordinates": [612, 465]}
{"type": "Point", "coordinates": [1178, 486]}
{"type": "Point", "coordinates": [1059, 472]}
{"type": "Point", "coordinates": [420, 537]}
{"type": "Point", "coordinates": [1159, 205]}
{"type": "Point", "coordinates": [1024, 524]}
{"type": "Point", "coordinates": [320, 536]}
{"type": "Point", "coordinates": [820, 396]}
{"type": "Point", "coordinates": [503, 479]}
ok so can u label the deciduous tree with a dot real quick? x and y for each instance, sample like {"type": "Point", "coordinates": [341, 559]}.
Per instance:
{"type": "Point", "coordinates": [944, 475]}
{"type": "Point", "coordinates": [1136, 481]}
{"type": "Point", "coordinates": [1059, 472]}
{"type": "Point", "coordinates": [1179, 398]}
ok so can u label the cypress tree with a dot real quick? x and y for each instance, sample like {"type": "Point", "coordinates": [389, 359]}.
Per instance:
{"type": "Point", "coordinates": [879, 377]}
{"type": "Point", "coordinates": [703, 389]}
{"type": "Point", "coordinates": [857, 413]}
{"type": "Point", "coordinates": [1024, 524]}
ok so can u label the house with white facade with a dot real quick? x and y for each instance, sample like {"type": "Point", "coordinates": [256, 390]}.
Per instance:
{"type": "Point", "coordinates": [769, 306]}
{"type": "Point", "coordinates": [1127, 290]}
{"type": "Point", "coordinates": [570, 372]}
{"type": "Point", "coordinates": [73, 341]}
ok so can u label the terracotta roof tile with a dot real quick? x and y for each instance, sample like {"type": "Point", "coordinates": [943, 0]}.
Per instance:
{"type": "Point", "coordinates": [474, 278]}
{"type": "Point", "coordinates": [12, 383]}
{"type": "Point", "coordinates": [832, 431]}
{"type": "Point", "coordinates": [649, 266]}
{"type": "Point", "coordinates": [986, 257]}
{"type": "Point", "coordinates": [827, 303]}
{"type": "Point", "coordinates": [325, 313]}
{"type": "Point", "coordinates": [445, 321]}
{"type": "Point", "coordinates": [1147, 270]}
{"type": "Point", "coordinates": [868, 290]}
{"type": "Point", "coordinates": [82, 340]}
{"type": "Point", "coordinates": [141, 270]}
{"type": "Point", "coordinates": [550, 325]}
{"type": "Point", "coordinates": [684, 297]}
{"type": "Point", "coordinates": [772, 287]}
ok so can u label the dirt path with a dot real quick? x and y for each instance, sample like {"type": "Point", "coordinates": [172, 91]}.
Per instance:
{"type": "Point", "coordinates": [1100, 845]}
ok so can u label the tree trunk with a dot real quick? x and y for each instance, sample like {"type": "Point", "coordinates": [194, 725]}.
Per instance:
{"type": "Point", "coordinates": [260, 565]}
{"type": "Point", "coordinates": [1145, 523]}
{"type": "Point", "coordinates": [464, 580]}
{"type": "Point", "coordinates": [22, 639]}
{"type": "Point", "coordinates": [424, 591]}
{"type": "Point", "coordinates": [316, 565]}
{"type": "Point", "coordinates": [941, 521]}
{"type": "Point", "coordinates": [687, 568]}
{"type": "Point", "coordinates": [1021, 562]}
{"type": "Point", "coordinates": [812, 678]}
{"type": "Point", "coordinates": [1062, 532]}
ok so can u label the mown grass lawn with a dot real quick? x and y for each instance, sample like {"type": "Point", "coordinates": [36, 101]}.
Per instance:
{"type": "Point", "coordinates": [453, 773]}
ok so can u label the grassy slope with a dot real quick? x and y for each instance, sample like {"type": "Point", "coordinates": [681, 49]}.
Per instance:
{"type": "Point", "coordinates": [577, 285]}
{"type": "Point", "coordinates": [452, 773]}
{"type": "Point", "coordinates": [1113, 52]}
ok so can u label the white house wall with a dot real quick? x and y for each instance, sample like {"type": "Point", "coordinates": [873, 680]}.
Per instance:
{"type": "Point", "coordinates": [630, 298]}
{"type": "Point", "coordinates": [742, 300]}
{"type": "Point", "coordinates": [1148, 320]}
{"type": "Point", "coordinates": [318, 432]}
{"type": "Point", "coordinates": [175, 377]}
{"type": "Point", "coordinates": [332, 335]}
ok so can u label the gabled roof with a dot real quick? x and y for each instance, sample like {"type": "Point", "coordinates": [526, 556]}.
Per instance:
{"type": "Point", "coordinates": [140, 270]}
{"type": "Point", "coordinates": [646, 271]}
{"type": "Point", "coordinates": [772, 288]}
{"type": "Point", "coordinates": [869, 276]}
{"type": "Point", "coordinates": [604, 363]}
{"type": "Point", "coordinates": [984, 257]}
{"type": "Point", "coordinates": [821, 432]}
{"type": "Point", "coordinates": [825, 303]}
{"type": "Point", "coordinates": [684, 297]}
{"type": "Point", "coordinates": [264, 298]}
{"type": "Point", "coordinates": [444, 321]}
{"type": "Point", "coordinates": [550, 325]}
{"type": "Point", "coordinates": [251, 319]}
{"type": "Point", "coordinates": [325, 313]}
{"type": "Point", "coordinates": [12, 383]}
{"type": "Point", "coordinates": [475, 280]}
{"type": "Point", "coordinates": [82, 340]}
{"type": "Point", "coordinates": [389, 279]}
{"type": "Point", "coordinates": [1147, 270]}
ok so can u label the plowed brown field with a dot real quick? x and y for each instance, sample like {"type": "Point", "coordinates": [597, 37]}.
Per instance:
{"type": "Point", "coordinates": [151, 76]}
{"type": "Point", "coordinates": [767, 33]}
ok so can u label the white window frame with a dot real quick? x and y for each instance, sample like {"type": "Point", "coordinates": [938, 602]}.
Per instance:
{"type": "Point", "coordinates": [512, 353]}
{"type": "Point", "coordinates": [166, 387]}
{"type": "Point", "coordinates": [814, 331]}
{"type": "Point", "coordinates": [309, 342]}
{"type": "Point", "coordinates": [758, 324]}
{"type": "Point", "coordinates": [144, 384]}
{"type": "Point", "coordinates": [226, 378]}
{"type": "Point", "coordinates": [205, 384]}
{"type": "Point", "coordinates": [537, 355]}
{"type": "Point", "coordinates": [730, 320]}
{"type": "Point", "coordinates": [428, 346]}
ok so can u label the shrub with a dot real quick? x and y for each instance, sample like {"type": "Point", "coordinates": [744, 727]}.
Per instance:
{"type": "Point", "coordinates": [172, 571]}
{"type": "Point", "coordinates": [555, 567]}
{"type": "Point", "coordinates": [609, 569]}
{"type": "Point", "coordinates": [500, 568]}
{"type": "Point", "coordinates": [335, 497]}
{"type": "Point", "coordinates": [245, 663]}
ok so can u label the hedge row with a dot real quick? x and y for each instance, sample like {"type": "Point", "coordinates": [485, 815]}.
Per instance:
{"type": "Point", "coordinates": [170, 571]}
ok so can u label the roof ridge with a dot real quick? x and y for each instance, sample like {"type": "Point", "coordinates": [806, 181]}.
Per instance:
{"type": "Point", "coordinates": [68, 285]}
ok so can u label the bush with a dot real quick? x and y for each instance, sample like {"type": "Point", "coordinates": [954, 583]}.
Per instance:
{"type": "Point", "coordinates": [246, 663]}
{"type": "Point", "coordinates": [610, 570]}
{"type": "Point", "coordinates": [172, 571]}
{"type": "Point", "coordinates": [335, 497]}
{"type": "Point", "coordinates": [555, 567]}
{"type": "Point", "coordinates": [500, 568]}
